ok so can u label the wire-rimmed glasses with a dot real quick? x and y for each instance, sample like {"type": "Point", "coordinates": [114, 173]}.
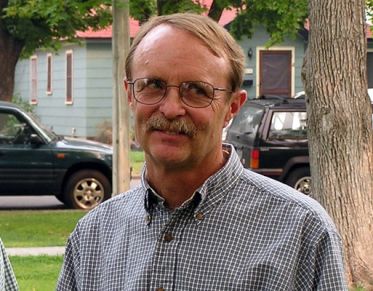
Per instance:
{"type": "Point", "coordinates": [196, 94]}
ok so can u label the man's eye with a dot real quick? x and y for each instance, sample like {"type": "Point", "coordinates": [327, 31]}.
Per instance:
{"type": "Point", "coordinates": [197, 89]}
{"type": "Point", "coordinates": [154, 84]}
{"type": "Point", "coordinates": [200, 89]}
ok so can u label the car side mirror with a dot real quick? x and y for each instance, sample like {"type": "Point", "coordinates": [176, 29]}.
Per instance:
{"type": "Point", "coordinates": [35, 139]}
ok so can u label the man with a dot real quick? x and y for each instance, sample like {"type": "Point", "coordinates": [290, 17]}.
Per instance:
{"type": "Point", "coordinates": [199, 220]}
{"type": "Point", "coordinates": [7, 279]}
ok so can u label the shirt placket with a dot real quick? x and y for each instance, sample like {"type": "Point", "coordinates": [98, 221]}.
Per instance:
{"type": "Point", "coordinates": [164, 265]}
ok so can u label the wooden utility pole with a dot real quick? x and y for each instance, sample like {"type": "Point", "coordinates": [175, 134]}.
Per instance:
{"type": "Point", "coordinates": [120, 47]}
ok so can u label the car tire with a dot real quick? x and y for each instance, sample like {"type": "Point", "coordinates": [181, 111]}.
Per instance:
{"type": "Point", "coordinates": [300, 179]}
{"type": "Point", "coordinates": [86, 189]}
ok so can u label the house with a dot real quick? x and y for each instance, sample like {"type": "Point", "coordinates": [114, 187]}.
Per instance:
{"type": "Point", "coordinates": [72, 89]}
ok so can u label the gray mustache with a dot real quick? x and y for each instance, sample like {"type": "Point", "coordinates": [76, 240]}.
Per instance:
{"type": "Point", "coordinates": [180, 126]}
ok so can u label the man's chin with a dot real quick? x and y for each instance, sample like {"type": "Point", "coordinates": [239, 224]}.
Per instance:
{"type": "Point", "coordinates": [168, 157]}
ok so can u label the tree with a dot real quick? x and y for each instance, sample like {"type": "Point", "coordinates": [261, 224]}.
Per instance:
{"type": "Point", "coordinates": [340, 116]}
{"type": "Point", "coordinates": [28, 25]}
{"type": "Point", "coordinates": [340, 126]}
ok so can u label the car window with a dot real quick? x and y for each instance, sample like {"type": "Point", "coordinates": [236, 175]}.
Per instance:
{"type": "Point", "coordinates": [13, 130]}
{"type": "Point", "coordinates": [288, 126]}
{"type": "Point", "coordinates": [248, 120]}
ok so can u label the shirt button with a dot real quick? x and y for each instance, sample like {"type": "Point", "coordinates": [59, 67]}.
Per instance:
{"type": "Point", "coordinates": [199, 216]}
{"type": "Point", "coordinates": [168, 237]}
{"type": "Point", "coordinates": [148, 219]}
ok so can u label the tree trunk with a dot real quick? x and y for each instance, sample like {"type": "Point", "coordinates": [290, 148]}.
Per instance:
{"type": "Point", "coordinates": [10, 50]}
{"type": "Point", "coordinates": [340, 127]}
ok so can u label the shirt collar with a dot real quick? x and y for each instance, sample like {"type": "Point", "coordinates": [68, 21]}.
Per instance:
{"type": "Point", "coordinates": [217, 185]}
{"type": "Point", "coordinates": [211, 191]}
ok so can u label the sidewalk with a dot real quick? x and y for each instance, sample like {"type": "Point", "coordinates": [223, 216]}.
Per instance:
{"type": "Point", "coordinates": [46, 251]}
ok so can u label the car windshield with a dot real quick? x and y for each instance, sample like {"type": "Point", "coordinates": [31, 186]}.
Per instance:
{"type": "Point", "coordinates": [47, 131]}
{"type": "Point", "coordinates": [248, 120]}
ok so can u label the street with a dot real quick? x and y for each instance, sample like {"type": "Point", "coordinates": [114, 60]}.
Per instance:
{"type": "Point", "coordinates": [30, 202]}
{"type": "Point", "coordinates": [37, 202]}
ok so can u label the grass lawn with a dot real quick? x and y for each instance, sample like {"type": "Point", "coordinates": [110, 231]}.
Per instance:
{"type": "Point", "coordinates": [38, 273]}
{"type": "Point", "coordinates": [37, 228]}
{"type": "Point", "coordinates": [136, 161]}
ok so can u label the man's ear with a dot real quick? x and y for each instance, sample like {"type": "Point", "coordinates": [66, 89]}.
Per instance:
{"type": "Point", "coordinates": [126, 88]}
{"type": "Point", "coordinates": [238, 99]}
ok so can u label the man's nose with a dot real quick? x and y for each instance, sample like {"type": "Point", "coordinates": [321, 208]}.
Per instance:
{"type": "Point", "coordinates": [171, 105]}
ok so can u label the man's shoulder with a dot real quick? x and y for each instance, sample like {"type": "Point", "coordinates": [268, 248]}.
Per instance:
{"type": "Point", "coordinates": [267, 191]}
{"type": "Point", "coordinates": [119, 207]}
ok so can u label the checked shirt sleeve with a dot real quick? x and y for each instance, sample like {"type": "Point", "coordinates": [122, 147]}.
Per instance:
{"type": "Point", "coordinates": [321, 266]}
{"type": "Point", "coordinates": [7, 279]}
{"type": "Point", "coordinates": [68, 278]}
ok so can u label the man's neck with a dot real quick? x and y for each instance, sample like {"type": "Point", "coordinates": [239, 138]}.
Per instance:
{"type": "Point", "coordinates": [178, 185]}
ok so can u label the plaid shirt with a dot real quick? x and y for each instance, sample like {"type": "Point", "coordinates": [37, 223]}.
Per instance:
{"type": "Point", "coordinates": [240, 231]}
{"type": "Point", "coordinates": [7, 279]}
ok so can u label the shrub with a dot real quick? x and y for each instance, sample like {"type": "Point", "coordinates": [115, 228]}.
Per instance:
{"type": "Point", "coordinates": [25, 105]}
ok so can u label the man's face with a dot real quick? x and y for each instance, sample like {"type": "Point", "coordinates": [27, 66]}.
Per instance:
{"type": "Point", "coordinates": [176, 56]}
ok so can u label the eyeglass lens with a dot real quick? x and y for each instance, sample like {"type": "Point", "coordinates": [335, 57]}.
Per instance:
{"type": "Point", "coordinates": [192, 93]}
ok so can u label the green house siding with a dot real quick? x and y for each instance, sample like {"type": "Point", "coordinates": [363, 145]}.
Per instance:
{"type": "Point", "coordinates": [99, 85]}
{"type": "Point", "coordinates": [257, 43]}
{"type": "Point", "coordinates": [91, 88]}
{"type": "Point", "coordinates": [51, 108]}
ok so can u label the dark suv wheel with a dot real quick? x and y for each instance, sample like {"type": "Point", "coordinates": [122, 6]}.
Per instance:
{"type": "Point", "coordinates": [300, 179]}
{"type": "Point", "coordinates": [86, 189]}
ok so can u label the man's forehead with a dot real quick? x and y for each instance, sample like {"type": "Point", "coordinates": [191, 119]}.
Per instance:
{"type": "Point", "coordinates": [160, 34]}
{"type": "Point", "coordinates": [178, 42]}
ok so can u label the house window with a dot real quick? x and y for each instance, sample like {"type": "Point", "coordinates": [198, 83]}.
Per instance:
{"type": "Point", "coordinates": [49, 74]}
{"type": "Point", "coordinates": [34, 80]}
{"type": "Point", "coordinates": [69, 77]}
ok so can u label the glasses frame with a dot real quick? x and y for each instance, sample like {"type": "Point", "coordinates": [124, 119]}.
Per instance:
{"type": "Point", "coordinates": [132, 82]}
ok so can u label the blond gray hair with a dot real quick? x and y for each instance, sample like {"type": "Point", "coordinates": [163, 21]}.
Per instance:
{"type": "Point", "coordinates": [214, 36]}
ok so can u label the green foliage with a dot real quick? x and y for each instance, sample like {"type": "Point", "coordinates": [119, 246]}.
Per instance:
{"type": "Point", "coordinates": [369, 9]}
{"type": "Point", "coordinates": [173, 6]}
{"type": "Point", "coordinates": [280, 17]}
{"type": "Point", "coordinates": [142, 10]}
{"type": "Point", "coordinates": [37, 273]}
{"type": "Point", "coordinates": [39, 23]}
{"type": "Point", "coordinates": [37, 228]}
{"type": "Point", "coordinates": [23, 104]}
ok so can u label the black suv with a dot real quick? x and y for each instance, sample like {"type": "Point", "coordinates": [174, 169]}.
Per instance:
{"type": "Point", "coordinates": [270, 136]}
{"type": "Point", "coordinates": [36, 161]}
